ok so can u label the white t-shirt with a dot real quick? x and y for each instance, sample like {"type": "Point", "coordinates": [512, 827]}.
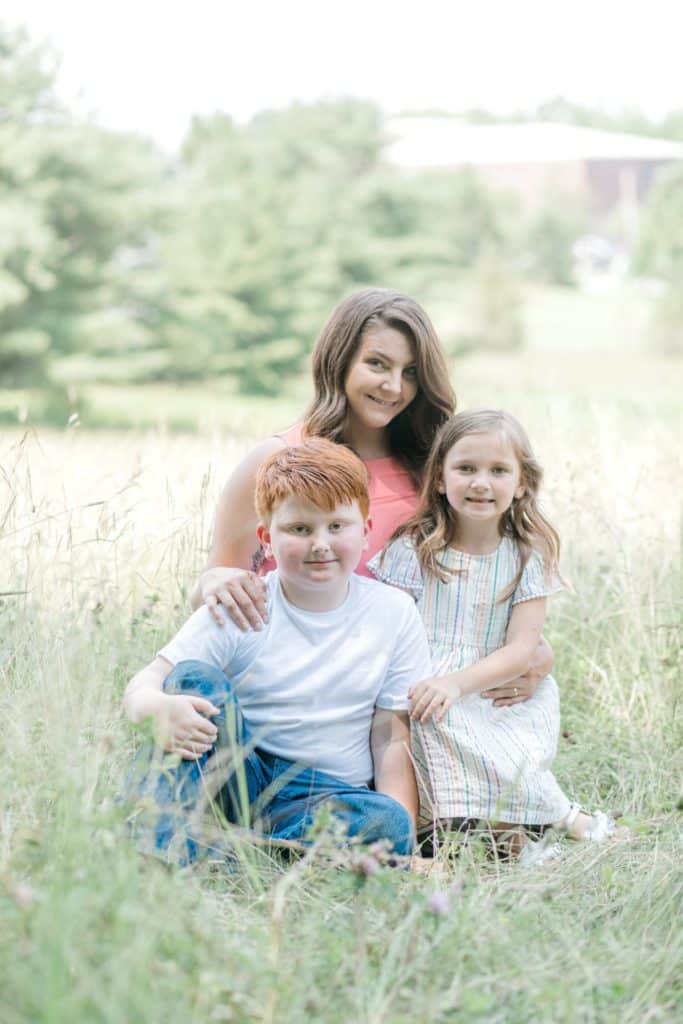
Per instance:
{"type": "Point", "coordinates": [308, 682]}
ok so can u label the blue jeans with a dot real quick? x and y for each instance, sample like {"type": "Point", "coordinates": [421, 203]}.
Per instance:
{"type": "Point", "coordinates": [253, 788]}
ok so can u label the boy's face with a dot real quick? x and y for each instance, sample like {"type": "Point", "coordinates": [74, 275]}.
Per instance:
{"type": "Point", "coordinates": [315, 551]}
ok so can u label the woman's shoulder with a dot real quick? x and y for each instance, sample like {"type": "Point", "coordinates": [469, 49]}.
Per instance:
{"type": "Point", "coordinates": [291, 436]}
{"type": "Point", "coordinates": [260, 452]}
{"type": "Point", "coordinates": [268, 446]}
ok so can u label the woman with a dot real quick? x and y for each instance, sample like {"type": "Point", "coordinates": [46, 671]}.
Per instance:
{"type": "Point", "coordinates": [381, 387]}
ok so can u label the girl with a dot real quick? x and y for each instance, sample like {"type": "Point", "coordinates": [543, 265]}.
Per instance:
{"type": "Point", "coordinates": [481, 560]}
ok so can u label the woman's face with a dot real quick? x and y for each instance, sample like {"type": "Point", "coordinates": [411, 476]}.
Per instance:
{"type": "Point", "coordinates": [382, 379]}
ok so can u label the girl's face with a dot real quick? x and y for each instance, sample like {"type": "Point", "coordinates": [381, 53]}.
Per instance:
{"type": "Point", "coordinates": [382, 379]}
{"type": "Point", "coordinates": [481, 476]}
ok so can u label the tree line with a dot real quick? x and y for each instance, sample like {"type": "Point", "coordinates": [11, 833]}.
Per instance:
{"type": "Point", "coordinates": [226, 259]}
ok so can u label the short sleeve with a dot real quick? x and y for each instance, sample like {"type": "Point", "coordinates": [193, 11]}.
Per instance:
{"type": "Point", "coordinates": [535, 581]}
{"type": "Point", "coordinates": [200, 638]}
{"type": "Point", "coordinates": [397, 564]}
{"type": "Point", "coordinates": [410, 659]}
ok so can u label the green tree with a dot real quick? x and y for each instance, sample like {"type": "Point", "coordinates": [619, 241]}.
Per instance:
{"type": "Point", "coordinates": [25, 238]}
{"type": "Point", "coordinates": [272, 229]}
{"type": "Point", "coordinates": [549, 240]}
{"type": "Point", "coordinates": [496, 322]}
{"type": "Point", "coordinates": [558, 109]}
{"type": "Point", "coordinates": [660, 255]}
{"type": "Point", "coordinates": [463, 214]}
{"type": "Point", "coordinates": [75, 204]}
{"type": "Point", "coordinates": [660, 249]}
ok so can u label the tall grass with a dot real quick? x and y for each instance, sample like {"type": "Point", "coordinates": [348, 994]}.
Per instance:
{"type": "Point", "coordinates": [102, 536]}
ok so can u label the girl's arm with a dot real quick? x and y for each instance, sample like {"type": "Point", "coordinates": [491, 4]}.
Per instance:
{"type": "Point", "coordinates": [227, 579]}
{"type": "Point", "coordinates": [435, 696]}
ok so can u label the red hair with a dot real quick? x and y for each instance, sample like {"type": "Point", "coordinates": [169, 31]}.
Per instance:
{"type": "Point", "coordinates": [318, 471]}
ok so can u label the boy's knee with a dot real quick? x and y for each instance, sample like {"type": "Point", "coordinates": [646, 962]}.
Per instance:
{"type": "Point", "coordinates": [199, 678]}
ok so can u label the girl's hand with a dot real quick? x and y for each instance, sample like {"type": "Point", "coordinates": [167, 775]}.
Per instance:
{"type": "Point", "coordinates": [242, 594]}
{"type": "Point", "coordinates": [432, 697]}
{"type": "Point", "coordinates": [181, 727]}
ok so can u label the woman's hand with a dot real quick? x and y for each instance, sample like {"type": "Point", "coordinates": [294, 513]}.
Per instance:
{"type": "Point", "coordinates": [432, 697]}
{"type": "Point", "coordinates": [240, 592]}
{"type": "Point", "coordinates": [515, 692]}
{"type": "Point", "coordinates": [181, 726]}
{"type": "Point", "coordinates": [524, 687]}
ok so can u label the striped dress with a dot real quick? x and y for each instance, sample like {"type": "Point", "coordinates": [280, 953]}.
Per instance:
{"type": "Point", "coordinates": [481, 761]}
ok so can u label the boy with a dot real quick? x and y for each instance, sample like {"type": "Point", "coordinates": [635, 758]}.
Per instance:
{"type": "Point", "coordinates": [307, 711]}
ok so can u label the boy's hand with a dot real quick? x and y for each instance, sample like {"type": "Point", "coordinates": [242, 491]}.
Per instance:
{"type": "Point", "coordinates": [432, 697]}
{"type": "Point", "coordinates": [181, 727]}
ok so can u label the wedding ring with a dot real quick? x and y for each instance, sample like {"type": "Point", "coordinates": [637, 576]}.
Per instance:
{"type": "Point", "coordinates": [515, 691]}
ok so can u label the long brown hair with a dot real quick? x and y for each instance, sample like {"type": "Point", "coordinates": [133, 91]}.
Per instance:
{"type": "Point", "coordinates": [411, 432]}
{"type": "Point", "coordinates": [433, 528]}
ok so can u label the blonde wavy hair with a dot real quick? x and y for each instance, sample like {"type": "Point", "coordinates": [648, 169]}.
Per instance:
{"type": "Point", "coordinates": [433, 528]}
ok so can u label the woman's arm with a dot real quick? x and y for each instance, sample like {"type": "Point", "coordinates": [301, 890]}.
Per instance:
{"type": "Point", "coordinates": [436, 696]}
{"type": "Point", "coordinates": [524, 686]}
{"type": "Point", "coordinates": [227, 579]}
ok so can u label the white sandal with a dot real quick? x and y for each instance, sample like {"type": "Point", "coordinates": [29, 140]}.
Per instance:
{"type": "Point", "coordinates": [539, 852]}
{"type": "Point", "coordinates": [601, 827]}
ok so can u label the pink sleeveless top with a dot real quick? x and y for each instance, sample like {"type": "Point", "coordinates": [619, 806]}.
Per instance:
{"type": "Point", "coordinates": [393, 499]}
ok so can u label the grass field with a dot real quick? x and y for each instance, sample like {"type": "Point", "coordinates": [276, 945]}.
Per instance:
{"type": "Point", "coordinates": [102, 536]}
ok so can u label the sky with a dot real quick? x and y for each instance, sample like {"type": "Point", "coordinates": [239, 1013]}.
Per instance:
{"type": "Point", "coordinates": [148, 66]}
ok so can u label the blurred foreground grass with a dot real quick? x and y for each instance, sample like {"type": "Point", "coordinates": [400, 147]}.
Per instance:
{"type": "Point", "coordinates": [102, 536]}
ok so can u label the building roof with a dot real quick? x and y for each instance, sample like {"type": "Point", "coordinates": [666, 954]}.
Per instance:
{"type": "Point", "coordinates": [421, 142]}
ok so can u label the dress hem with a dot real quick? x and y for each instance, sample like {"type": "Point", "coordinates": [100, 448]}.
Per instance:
{"type": "Point", "coordinates": [502, 814]}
